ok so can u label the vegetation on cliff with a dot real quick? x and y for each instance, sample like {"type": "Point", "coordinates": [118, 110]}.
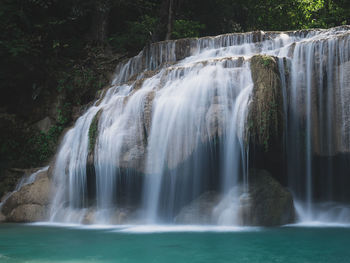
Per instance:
{"type": "Point", "coordinates": [265, 119]}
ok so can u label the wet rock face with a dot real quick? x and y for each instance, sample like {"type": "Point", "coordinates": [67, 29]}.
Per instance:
{"type": "Point", "coordinates": [2, 218]}
{"type": "Point", "coordinates": [44, 125]}
{"type": "Point", "coordinates": [30, 203]}
{"type": "Point", "coordinates": [270, 203]}
{"type": "Point", "coordinates": [200, 210]}
{"type": "Point", "coordinates": [215, 121]}
{"type": "Point", "coordinates": [267, 203]}
{"type": "Point", "coordinates": [265, 120]}
{"type": "Point", "coordinates": [117, 216]}
{"type": "Point", "coordinates": [27, 213]}
{"type": "Point", "coordinates": [265, 117]}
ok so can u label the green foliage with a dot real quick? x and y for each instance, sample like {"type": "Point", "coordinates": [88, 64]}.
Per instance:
{"type": "Point", "coordinates": [78, 82]}
{"type": "Point", "coordinates": [93, 131]}
{"type": "Point", "coordinates": [42, 145]}
{"type": "Point", "coordinates": [186, 29]}
{"type": "Point", "coordinates": [136, 36]}
{"type": "Point", "coordinates": [266, 61]}
{"type": "Point", "coordinates": [64, 114]}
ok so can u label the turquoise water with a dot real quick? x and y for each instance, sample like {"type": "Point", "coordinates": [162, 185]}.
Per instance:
{"type": "Point", "coordinates": [37, 243]}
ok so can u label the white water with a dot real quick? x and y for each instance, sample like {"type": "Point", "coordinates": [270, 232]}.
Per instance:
{"type": "Point", "coordinates": [196, 93]}
{"type": "Point", "coordinates": [318, 122]}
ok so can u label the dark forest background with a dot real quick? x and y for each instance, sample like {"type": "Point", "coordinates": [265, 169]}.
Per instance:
{"type": "Point", "coordinates": [56, 54]}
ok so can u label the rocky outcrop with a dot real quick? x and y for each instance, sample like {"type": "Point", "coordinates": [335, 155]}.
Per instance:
{"type": "Point", "coordinates": [215, 121]}
{"type": "Point", "coordinates": [116, 217]}
{"type": "Point", "coordinates": [270, 203]}
{"type": "Point", "coordinates": [29, 203]}
{"type": "Point", "coordinates": [2, 218]}
{"type": "Point", "coordinates": [266, 203]}
{"type": "Point", "coordinates": [265, 117]}
{"type": "Point", "coordinates": [9, 180]}
{"type": "Point", "coordinates": [44, 125]}
{"type": "Point", "coordinates": [200, 211]}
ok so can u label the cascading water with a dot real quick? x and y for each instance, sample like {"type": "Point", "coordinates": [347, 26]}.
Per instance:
{"type": "Point", "coordinates": [318, 123]}
{"type": "Point", "coordinates": [172, 126]}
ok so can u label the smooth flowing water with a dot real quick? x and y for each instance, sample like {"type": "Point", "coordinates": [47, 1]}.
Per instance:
{"type": "Point", "coordinates": [39, 244]}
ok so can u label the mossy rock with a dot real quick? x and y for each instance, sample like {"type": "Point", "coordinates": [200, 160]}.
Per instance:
{"type": "Point", "coordinates": [93, 131]}
{"type": "Point", "coordinates": [265, 116]}
{"type": "Point", "coordinates": [270, 203]}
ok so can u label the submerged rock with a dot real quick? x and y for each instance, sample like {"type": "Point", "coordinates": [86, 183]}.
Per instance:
{"type": "Point", "coordinates": [267, 203]}
{"type": "Point", "coordinates": [30, 203]}
{"type": "Point", "coordinates": [114, 216]}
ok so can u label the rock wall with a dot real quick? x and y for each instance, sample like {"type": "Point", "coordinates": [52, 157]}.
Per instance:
{"type": "Point", "coordinates": [265, 117]}
{"type": "Point", "coordinates": [31, 202]}
{"type": "Point", "coordinates": [265, 120]}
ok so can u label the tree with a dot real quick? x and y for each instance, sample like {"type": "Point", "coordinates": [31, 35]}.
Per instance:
{"type": "Point", "coordinates": [99, 25]}
{"type": "Point", "coordinates": [167, 13]}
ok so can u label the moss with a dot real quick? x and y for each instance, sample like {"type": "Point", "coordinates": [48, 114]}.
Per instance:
{"type": "Point", "coordinates": [266, 61]}
{"type": "Point", "coordinates": [265, 113]}
{"type": "Point", "coordinates": [93, 131]}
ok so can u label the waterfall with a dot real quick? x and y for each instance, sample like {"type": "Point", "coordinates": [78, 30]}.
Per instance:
{"type": "Point", "coordinates": [173, 122]}
{"type": "Point", "coordinates": [318, 120]}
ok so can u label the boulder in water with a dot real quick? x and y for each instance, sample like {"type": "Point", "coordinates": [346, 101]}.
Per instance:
{"type": "Point", "coordinates": [270, 203]}
{"type": "Point", "coordinates": [115, 216]}
{"type": "Point", "coordinates": [200, 210]}
{"type": "Point", "coordinates": [27, 213]}
{"type": "Point", "coordinates": [30, 203]}
{"type": "Point", "coordinates": [267, 203]}
{"type": "Point", "coordinates": [2, 218]}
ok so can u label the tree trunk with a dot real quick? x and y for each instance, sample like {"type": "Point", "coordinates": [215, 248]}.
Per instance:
{"type": "Point", "coordinates": [170, 20]}
{"type": "Point", "coordinates": [166, 20]}
{"type": "Point", "coordinates": [99, 24]}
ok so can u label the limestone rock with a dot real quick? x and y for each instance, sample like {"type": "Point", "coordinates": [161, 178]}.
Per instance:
{"type": "Point", "coordinates": [133, 157]}
{"type": "Point", "coordinates": [215, 121]}
{"type": "Point", "coordinates": [265, 115]}
{"type": "Point", "coordinates": [2, 218]}
{"type": "Point", "coordinates": [147, 112]}
{"type": "Point", "coordinates": [270, 203]}
{"type": "Point", "coordinates": [200, 210]}
{"type": "Point", "coordinates": [44, 125]}
{"type": "Point", "coordinates": [116, 216]}
{"type": "Point", "coordinates": [267, 203]}
{"type": "Point", "coordinates": [30, 202]}
{"type": "Point", "coordinates": [28, 213]}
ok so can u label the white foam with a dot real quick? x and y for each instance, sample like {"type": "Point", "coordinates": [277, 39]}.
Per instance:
{"type": "Point", "coordinates": [184, 228]}
{"type": "Point", "coordinates": [151, 228]}
{"type": "Point", "coordinates": [318, 224]}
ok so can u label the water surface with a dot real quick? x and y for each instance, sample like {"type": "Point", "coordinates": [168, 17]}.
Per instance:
{"type": "Point", "coordinates": [38, 243]}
